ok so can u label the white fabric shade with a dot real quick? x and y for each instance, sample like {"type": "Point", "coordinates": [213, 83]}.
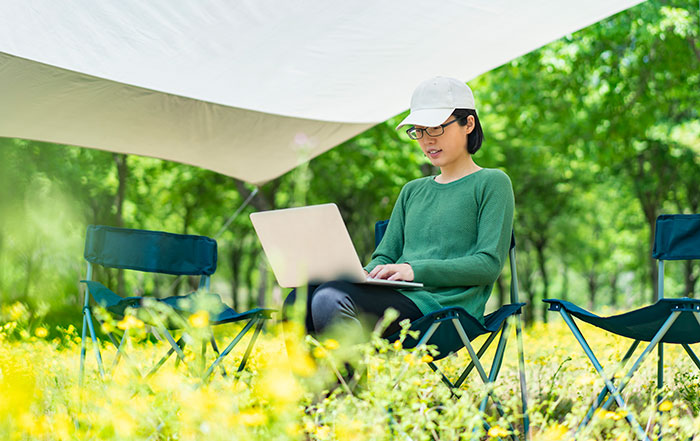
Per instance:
{"type": "Point", "coordinates": [248, 88]}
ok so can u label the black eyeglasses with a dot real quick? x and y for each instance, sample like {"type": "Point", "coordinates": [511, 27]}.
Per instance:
{"type": "Point", "coordinates": [416, 133]}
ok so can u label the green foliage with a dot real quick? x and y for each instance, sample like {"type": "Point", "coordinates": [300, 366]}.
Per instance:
{"type": "Point", "coordinates": [599, 132]}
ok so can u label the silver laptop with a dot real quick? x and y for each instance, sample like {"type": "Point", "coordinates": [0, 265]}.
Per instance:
{"type": "Point", "coordinates": [311, 245]}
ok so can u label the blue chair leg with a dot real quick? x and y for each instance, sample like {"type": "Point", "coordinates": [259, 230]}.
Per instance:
{"type": "Point", "coordinates": [95, 342]}
{"type": "Point", "coordinates": [216, 351]}
{"type": "Point", "coordinates": [82, 349]}
{"type": "Point", "coordinates": [479, 368]}
{"type": "Point", "coordinates": [521, 373]}
{"type": "Point", "coordinates": [258, 328]}
{"type": "Point", "coordinates": [484, 347]}
{"type": "Point", "coordinates": [180, 343]}
{"type": "Point", "coordinates": [231, 345]}
{"type": "Point", "coordinates": [692, 355]}
{"type": "Point", "coordinates": [497, 361]}
{"type": "Point", "coordinates": [604, 392]}
{"type": "Point", "coordinates": [615, 392]}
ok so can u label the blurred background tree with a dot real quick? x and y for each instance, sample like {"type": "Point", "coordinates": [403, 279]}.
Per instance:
{"type": "Point", "coordinates": [599, 132]}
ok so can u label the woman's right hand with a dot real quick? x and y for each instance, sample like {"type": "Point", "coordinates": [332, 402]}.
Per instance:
{"type": "Point", "coordinates": [393, 271]}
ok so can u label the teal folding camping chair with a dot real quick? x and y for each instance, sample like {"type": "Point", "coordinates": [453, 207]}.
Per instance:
{"type": "Point", "coordinates": [164, 253]}
{"type": "Point", "coordinates": [451, 329]}
{"type": "Point", "coordinates": [673, 321]}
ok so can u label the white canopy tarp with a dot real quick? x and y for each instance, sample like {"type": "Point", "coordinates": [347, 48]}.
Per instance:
{"type": "Point", "coordinates": [248, 88]}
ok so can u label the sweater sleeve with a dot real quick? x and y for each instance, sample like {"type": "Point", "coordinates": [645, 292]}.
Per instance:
{"type": "Point", "coordinates": [483, 266]}
{"type": "Point", "coordinates": [391, 246]}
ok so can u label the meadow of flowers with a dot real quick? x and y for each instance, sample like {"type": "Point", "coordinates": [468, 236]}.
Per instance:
{"type": "Point", "coordinates": [305, 392]}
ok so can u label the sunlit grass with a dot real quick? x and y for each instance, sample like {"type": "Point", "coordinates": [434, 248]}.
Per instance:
{"type": "Point", "coordinates": [307, 394]}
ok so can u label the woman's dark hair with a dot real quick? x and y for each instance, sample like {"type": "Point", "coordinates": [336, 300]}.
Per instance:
{"type": "Point", "coordinates": [476, 137]}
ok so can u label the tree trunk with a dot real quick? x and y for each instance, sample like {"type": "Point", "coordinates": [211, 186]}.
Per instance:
{"type": "Point", "coordinates": [527, 284]}
{"type": "Point", "coordinates": [592, 289]}
{"type": "Point", "coordinates": [262, 287]}
{"type": "Point", "coordinates": [235, 257]}
{"type": "Point", "coordinates": [122, 175]}
{"type": "Point", "coordinates": [690, 278]}
{"type": "Point", "coordinates": [565, 283]}
{"type": "Point", "coordinates": [542, 266]}
{"type": "Point", "coordinates": [613, 290]}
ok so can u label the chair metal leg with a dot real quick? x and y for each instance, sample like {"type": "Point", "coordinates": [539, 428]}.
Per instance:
{"type": "Point", "coordinates": [203, 355]}
{"type": "Point", "coordinates": [82, 349]}
{"type": "Point", "coordinates": [119, 346]}
{"type": "Point", "coordinates": [615, 392]}
{"type": "Point", "coordinates": [660, 371]}
{"type": "Point", "coordinates": [496, 369]}
{"type": "Point", "coordinates": [181, 342]}
{"type": "Point", "coordinates": [692, 355]}
{"type": "Point", "coordinates": [478, 365]}
{"type": "Point", "coordinates": [216, 351]}
{"type": "Point", "coordinates": [164, 358]}
{"type": "Point", "coordinates": [484, 347]}
{"type": "Point", "coordinates": [122, 353]}
{"type": "Point", "coordinates": [654, 341]}
{"type": "Point", "coordinates": [248, 350]}
{"type": "Point", "coordinates": [480, 369]}
{"type": "Point", "coordinates": [603, 393]}
{"type": "Point", "coordinates": [608, 383]}
{"type": "Point", "coordinates": [95, 342]}
{"type": "Point", "coordinates": [229, 347]}
{"type": "Point", "coordinates": [444, 378]}
{"type": "Point", "coordinates": [497, 361]}
{"type": "Point", "coordinates": [521, 373]}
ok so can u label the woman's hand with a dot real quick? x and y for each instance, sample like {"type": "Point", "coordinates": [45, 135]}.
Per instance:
{"type": "Point", "coordinates": [393, 271]}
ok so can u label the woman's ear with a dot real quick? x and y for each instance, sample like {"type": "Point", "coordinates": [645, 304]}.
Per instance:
{"type": "Point", "coordinates": [470, 124]}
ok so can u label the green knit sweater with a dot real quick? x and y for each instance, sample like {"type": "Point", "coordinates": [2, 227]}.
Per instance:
{"type": "Point", "coordinates": [455, 236]}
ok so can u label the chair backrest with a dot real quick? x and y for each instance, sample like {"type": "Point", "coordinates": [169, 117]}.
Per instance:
{"type": "Point", "coordinates": [677, 238]}
{"type": "Point", "coordinates": [380, 229]}
{"type": "Point", "coordinates": [150, 251]}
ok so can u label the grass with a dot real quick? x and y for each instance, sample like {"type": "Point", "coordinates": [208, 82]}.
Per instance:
{"type": "Point", "coordinates": [306, 393]}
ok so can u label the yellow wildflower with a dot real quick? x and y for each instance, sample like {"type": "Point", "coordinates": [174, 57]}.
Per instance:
{"type": "Point", "coordinates": [302, 364]}
{"type": "Point", "coordinates": [556, 431]}
{"type": "Point", "coordinates": [665, 406]}
{"type": "Point", "coordinates": [322, 432]}
{"type": "Point", "coordinates": [199, 319]}
{"type": "Point", "coordinates": [427, 358]}
{"type": "Point", "coordinates": [497, 431]}
{"type": "Point", "coordinates": [107, 327]}
{"type": "Point", "coordinates": [41, 332]}
{"type": "Point", "coordinates": [293, 429]}
{"type": "Point", "coordinates": [331, 344]}
{"type": "Point", "coordinates": [252, 417]}
{"type": "Point", "coordinates": [398, 345]}
{"type": "Point", "coordinates": [130, 322]}
{"type": "Point", "coordinates": [18, 311]}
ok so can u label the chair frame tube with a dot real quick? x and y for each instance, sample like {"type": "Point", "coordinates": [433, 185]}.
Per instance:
{"type": "Point", "coordinates": [515, 298]}
{"type": "Point", "coordinates": [616, 392]}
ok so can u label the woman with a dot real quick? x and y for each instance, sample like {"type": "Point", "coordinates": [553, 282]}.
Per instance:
{"type": "Point", "coordinates": [450, 232]}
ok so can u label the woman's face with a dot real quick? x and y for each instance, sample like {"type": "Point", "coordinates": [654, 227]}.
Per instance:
{"type": "Point", "coordinates": [449, 148]}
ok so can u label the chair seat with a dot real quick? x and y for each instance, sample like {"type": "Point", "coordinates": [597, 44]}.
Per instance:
{"type": "Point", "coordinates": [446, 338]}
{"type": "Point", "coordinates": [219, 312]}
{"type": "Point", "coordinates": [643, 323]}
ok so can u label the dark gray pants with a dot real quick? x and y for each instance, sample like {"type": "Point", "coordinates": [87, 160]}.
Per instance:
{"type": "Point", "coordinates": [347, 301]}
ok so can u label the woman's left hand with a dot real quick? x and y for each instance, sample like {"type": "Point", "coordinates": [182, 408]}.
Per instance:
{"type": "Point", "coordinates": [393, 271]}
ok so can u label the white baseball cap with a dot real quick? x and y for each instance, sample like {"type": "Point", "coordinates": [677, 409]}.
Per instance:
{"type": "Point", "coordinates": [435, 99]}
